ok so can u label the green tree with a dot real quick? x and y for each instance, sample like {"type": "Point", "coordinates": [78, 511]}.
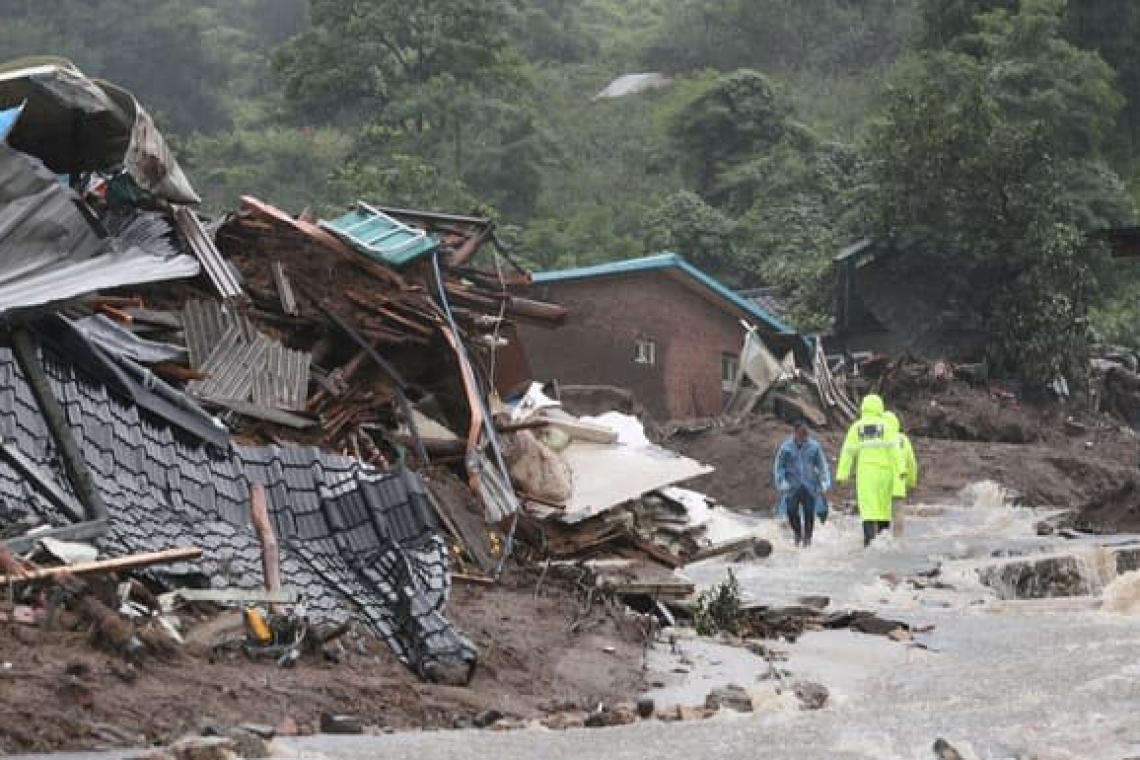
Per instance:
{"type": "Point", "coordinates": [737, 117]}
{"type": "Point", "coordinates": [685, 224]}
{"type": "Point", "coordinates": [969, 198]}
{"type": "Point", "coordinates": [397, 63]}
{"type": "Point", "coordinates": [1112, 29]}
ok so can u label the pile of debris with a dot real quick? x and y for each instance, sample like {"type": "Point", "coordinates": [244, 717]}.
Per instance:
{"type": "Point", "coordinates": [596, 489]}
{"type": "Point", "coordinates": [333, 418]}
{"type": "Point", "coordinates": [321, 363]}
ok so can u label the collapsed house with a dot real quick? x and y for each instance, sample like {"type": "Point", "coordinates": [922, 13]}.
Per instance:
{"type": "Point", "coordinates": [270, 407]}
{"type": "Point", "coordinates": [878, 311]}
{"type": "Point", "coordinates": [138, 354]}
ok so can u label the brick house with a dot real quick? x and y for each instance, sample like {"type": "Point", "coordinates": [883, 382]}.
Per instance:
{"type": "Point", "coordinates": [657, 326]}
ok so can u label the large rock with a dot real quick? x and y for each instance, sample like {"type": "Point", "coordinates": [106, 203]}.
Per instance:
{"type": "Point", "coordinates": [731, 697]}
{"type": "Point", "coordinates": [341, 724]}
{"type": "Point", "coordinates": [943, 750]}
{"type": "Point", "coordinates": [487, 718]}
{"type": "Point", "coordinates": [1044, 578]}
{"type": "Point", "coordinates": [812, 696]}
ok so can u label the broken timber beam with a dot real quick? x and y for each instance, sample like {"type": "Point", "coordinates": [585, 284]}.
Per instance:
{"type": "Point", "coordinates": [56, 420]}
{"type": "Point", "coordinates": [270, 556]}
{"type": "Point", "coordinates": [130, 562]}
{"type": "Point", "coordinates": [284, 289]}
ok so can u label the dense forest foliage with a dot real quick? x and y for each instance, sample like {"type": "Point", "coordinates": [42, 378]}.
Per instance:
{"type": "Point", "coordinates": [981, 137]}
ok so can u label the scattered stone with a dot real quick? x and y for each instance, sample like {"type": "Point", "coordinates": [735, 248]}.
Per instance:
{"type": "Point", "coordinates": [563, 721]}
{"type": "Point", "coordinates": [597, 718]}
{"type": "Point", "coordinates": [259, 729]}
{"type": "Point", "coordinates": [623, 714]}
{"type": "Point", "coordinates": [759, 549]}
{"type": "Point", "coordinates": [125, 671]}
{"type": "Point", "coordinates": [75, 691]}
{"type": "Point", "coordinates": [341, 724]}
{"type": "Point", "coordinates": [203, 748]}
{"type": "Point", "coordinates": [943, 750]}
{"type": "Point", "coordinates": [1044, 529]}
{"type": "Point", "coordinates": [731, 697]}
{"type": "Point", "coordinates": [695, 713]}
{"type": "Point", "coordinates": [646, 707]}
{"type": "Point", "coordinates": [487, 718]}
{"type": "Point", "coordinates": [460, 722]}
{"type": "Point", "coordinates": [287, 726]}
{"type": "Point", "coordinates": [508, 724]}
{"type": "Point", "coordinates": [812, 696]}
{"type": "Point", "coordinates": [815, 602]}
{"type": "Point", "coordinates": [27, 635]}
{"type": "Point", "coordinates": [247, 744]}
{"type": "Point", "coordinates": [76, 668]}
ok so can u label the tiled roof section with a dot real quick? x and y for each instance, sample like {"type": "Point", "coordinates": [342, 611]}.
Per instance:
{"type": "Point", "coordinates": [355, 541]}
{"type": "Point", "coordinates": [770, 300]}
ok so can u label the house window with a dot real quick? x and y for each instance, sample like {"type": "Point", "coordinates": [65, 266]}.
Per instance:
{"type": "Point", "coordinates": [729, 371]}
{"type": "Point", "coordinates": [645, 353]}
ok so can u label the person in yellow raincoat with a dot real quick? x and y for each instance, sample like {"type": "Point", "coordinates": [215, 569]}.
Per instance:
{"type": "Point", "coordinates": [907, 477]}
{"type": "Point", "coordinates": [871, 450]}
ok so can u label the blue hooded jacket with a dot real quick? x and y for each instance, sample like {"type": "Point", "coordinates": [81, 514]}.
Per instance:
{"type": "Point", "coordinates": [805, 466]}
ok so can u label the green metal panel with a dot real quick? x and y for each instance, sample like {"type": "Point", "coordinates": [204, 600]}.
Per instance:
{"type": "Point", "coordinates": [380, 237]}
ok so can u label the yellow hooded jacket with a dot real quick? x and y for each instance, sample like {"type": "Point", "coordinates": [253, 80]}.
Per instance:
{"type": "Point", "coordinates": [907, 476]}
{"type": "Point", "coordinates": [871, 449]}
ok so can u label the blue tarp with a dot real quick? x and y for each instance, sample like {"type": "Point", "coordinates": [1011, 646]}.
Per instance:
{"type": "Point", "coordinates": [8, 119]}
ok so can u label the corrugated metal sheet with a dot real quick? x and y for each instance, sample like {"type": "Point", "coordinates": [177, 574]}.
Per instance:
{"type": "Point", "coordinates": [51, 252]}
{"type": "Point", "coordinates": [119, 341]}
{"type": "Point", "coordinates": [283, 380]}
{"type": "Point", "coordinates": [231, 366]}
{"type": "Point", "coordinates": [219, 272]}
{"type": "Point", "coordinates": [242, 363]}
{"type": "Point", "coordinates": [205, 322]}
{"type": "Point", "coordinates": [381, 237]}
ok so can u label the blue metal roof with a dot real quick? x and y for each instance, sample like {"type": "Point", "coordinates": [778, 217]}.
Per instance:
{"type": "Point", "coordinates": [380, 237]}
{"type": "Point", "coordinates": [665, 261]}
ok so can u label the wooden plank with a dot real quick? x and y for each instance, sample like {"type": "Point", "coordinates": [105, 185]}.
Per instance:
{"type": "Point", "coordinates": [234, 595]}
{"type": "Point", "coordinates": [270, 557]}
{"type": "Point", "coordinates": [284, 289]}
{"type": "Point", "coordinates": [130, 562]}
{"type": "Point", "coordinates": [727, 547]}
{"type": "Point", "coordinates": [582, 431]}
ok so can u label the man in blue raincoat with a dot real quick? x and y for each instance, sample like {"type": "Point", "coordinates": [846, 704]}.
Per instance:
{"type": "Point", "coordinates": [802, 476]}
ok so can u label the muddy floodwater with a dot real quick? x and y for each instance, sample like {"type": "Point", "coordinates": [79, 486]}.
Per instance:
{"type": "Point", "coordinates": [998, 675]}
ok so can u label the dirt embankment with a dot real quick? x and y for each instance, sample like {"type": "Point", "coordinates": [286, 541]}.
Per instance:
{"type": "Point", "coordinates": [1049, 454]}
{"type": "Point", "coordinates": [61, 693]}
